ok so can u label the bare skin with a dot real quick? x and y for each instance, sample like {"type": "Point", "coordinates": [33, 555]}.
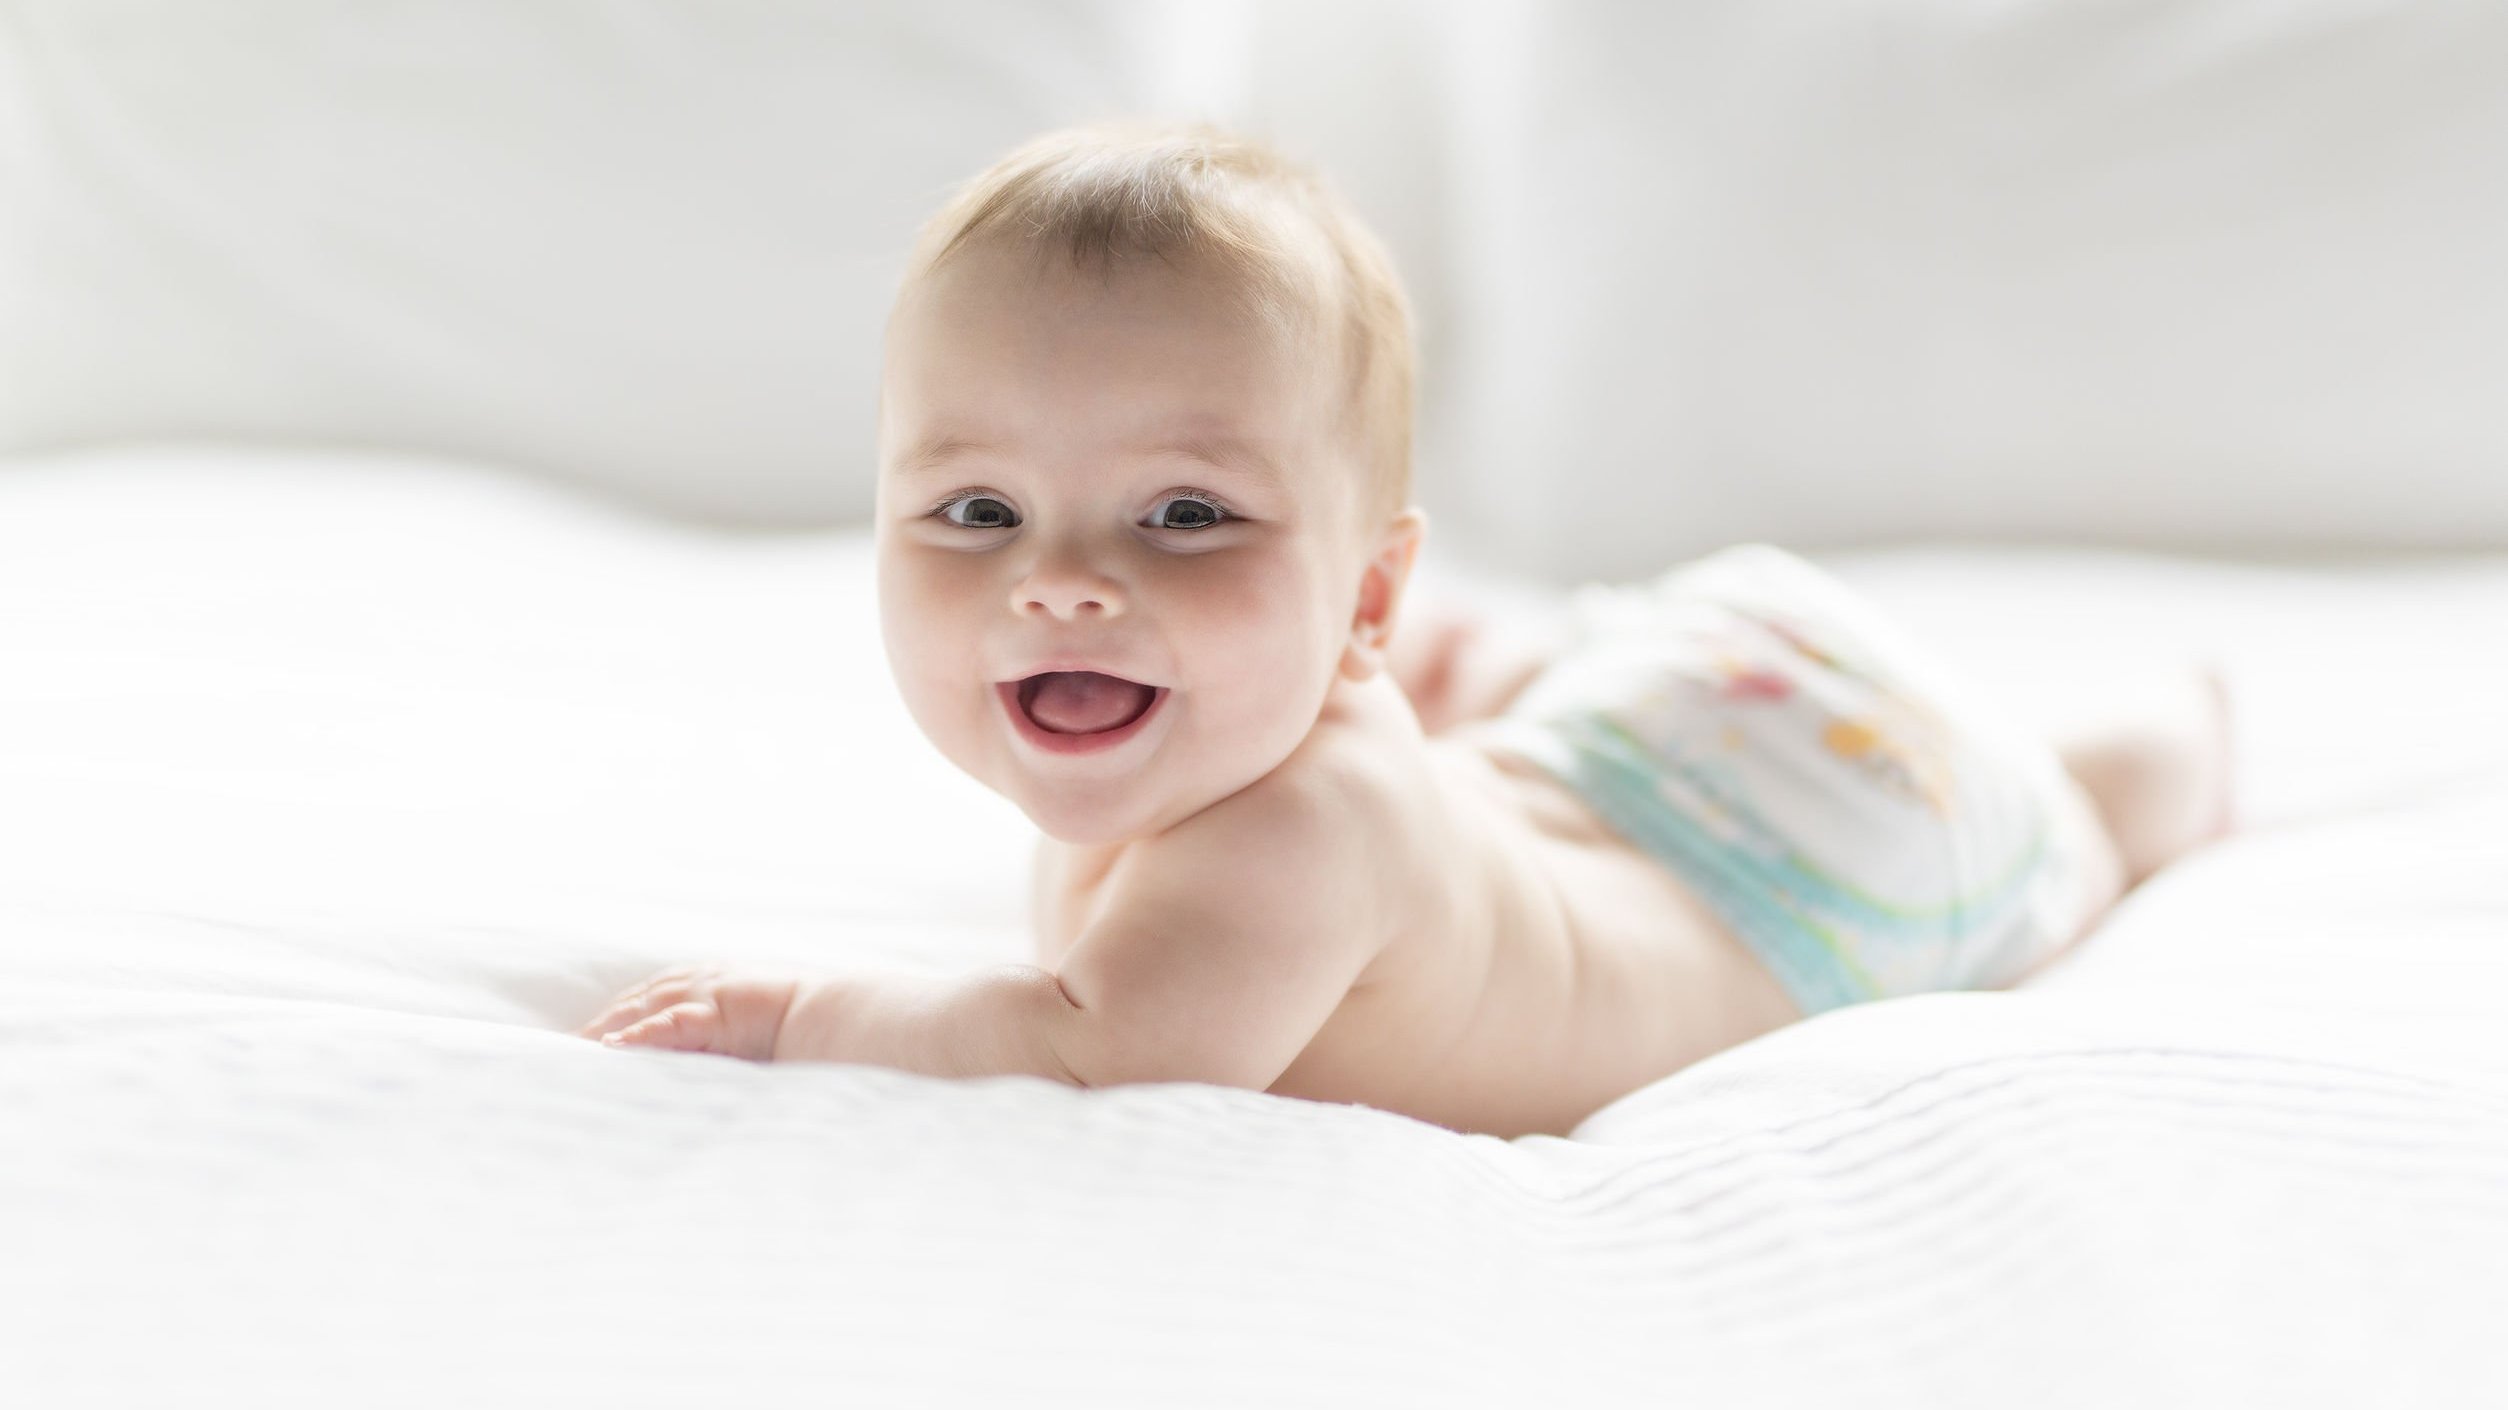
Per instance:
{"type": "Point", "coordinates": [1296, 868]}
{"type": "Point", "coordinates": [2157, 764]}
{"type": "Point", "coordinates": [1535, 967]}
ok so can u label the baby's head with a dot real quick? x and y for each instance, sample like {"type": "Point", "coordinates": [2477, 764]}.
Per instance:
{"type": "Point", "coordinates": [1144, 473]}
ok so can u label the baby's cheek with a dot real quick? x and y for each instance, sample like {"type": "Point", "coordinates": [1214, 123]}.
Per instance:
{"type": "Point", "coordinates": [921, 591]}
{"type": "Point", "coordinates": [941, 701]}
{"type": "Point", "coordinates": [1267, 655]}
{"type": "Point", "coordinates": [1248, 595]}
{"type": "Point", "coordinates": [929, 608]}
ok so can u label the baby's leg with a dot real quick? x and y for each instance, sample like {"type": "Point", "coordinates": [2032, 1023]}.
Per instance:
{"type": "Point", "coordinates": [2157, 769]}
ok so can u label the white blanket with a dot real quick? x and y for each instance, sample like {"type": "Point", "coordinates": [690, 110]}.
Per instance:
{"type": "Point", "coordinates": [333, 788]}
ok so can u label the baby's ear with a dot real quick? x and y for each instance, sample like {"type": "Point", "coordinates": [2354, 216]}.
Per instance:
{"type": "Point", "coordinates": [1381, 586]}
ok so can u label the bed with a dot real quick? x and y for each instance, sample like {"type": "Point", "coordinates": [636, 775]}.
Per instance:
{"type": "Point", "coordinates": [336, 786]}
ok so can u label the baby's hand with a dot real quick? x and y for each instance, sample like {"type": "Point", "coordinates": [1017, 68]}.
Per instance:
{"type": "Point", "coordinates": [699, 1010]}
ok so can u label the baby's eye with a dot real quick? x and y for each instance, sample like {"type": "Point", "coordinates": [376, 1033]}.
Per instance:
{"type": "Point", "coordinates": [979, 511]}
{"type": "Point", "coordinates": [1187, 512]}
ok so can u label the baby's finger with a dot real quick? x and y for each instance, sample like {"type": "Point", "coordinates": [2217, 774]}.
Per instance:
{"type": "Point", "coordinates": [688, 1027]}
{"type": "Point", "coordinates": [619, 1015]}
{"type": "Point", "coordinates": [650, 997]}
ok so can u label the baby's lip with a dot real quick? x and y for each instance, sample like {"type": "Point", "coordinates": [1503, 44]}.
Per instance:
{"type": "Point", "coordinates": [1062, 664]}
{"type": "Point", "coordinates": [1015, 696]}
{"type": "Point", "coordinates": [1069, 666]}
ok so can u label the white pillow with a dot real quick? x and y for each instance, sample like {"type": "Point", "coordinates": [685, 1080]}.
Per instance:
{"type": "Point", "coordinates": [645, 246]}
{"type": "Point", "coordinates": [2210, 276]}
{"type": "Point", "coordinates": [2215, 275]}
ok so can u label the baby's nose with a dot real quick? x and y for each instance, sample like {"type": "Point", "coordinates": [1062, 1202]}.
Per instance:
{"type": "Point", "coordinates": [1067, 592]}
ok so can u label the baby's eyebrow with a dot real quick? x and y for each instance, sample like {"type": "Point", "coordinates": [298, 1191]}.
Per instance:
{"type": "Point", "coordinates": [1225, 452]}
{"type": "Point", "coordinates": [936, 452]}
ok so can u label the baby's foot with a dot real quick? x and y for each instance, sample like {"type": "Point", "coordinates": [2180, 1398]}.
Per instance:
{"type": "Point", "coordinates": [2224, 811]}
{"type": "Point", "coordinates": [1460, 664]}
{"type": "Point", "coordinates": [1427, 647]}
{"type": "Point", "coordinates": [2161, 771]}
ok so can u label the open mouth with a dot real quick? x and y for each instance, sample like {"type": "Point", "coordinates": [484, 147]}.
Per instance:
{"type": "Point", "coordinates": [1071, 712]}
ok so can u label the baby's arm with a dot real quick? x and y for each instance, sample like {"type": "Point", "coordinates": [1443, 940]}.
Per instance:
{"type": "Point", "coordinates": [1218, 951]}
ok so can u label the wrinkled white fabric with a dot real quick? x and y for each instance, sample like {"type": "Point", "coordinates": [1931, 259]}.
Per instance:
{"type": "Point", "coordinates": [332, 789]}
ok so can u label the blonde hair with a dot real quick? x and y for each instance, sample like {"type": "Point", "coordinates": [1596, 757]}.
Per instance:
{"type": "Point", "coordinates": [1103, 195]}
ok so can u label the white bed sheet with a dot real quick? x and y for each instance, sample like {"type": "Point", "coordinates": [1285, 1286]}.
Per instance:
{"type": "Point", "coordinates": [334, 787]}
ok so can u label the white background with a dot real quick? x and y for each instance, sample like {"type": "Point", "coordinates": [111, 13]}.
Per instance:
{"type": "Point", "coordinates": [2199, 273]}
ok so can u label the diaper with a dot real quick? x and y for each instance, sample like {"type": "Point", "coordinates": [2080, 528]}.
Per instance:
{"type": "Point", "coordinates": [1839, 799]}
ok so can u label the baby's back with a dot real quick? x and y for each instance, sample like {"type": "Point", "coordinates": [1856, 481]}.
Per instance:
{"type": "Point", "coordinates": [1530, 967]}
{"type": "Point", "coordinates": [1551, 970]}
{"type": "Point", "coordinates": [1804, 808]}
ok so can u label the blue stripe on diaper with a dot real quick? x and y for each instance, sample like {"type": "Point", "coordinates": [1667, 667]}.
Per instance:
{"type": "Point", "coordinates": [1814, 967]}
{"type": "Point", "coordinates": [1643, 767]}
{"type": "Point", "coordinates": [1808, 927]}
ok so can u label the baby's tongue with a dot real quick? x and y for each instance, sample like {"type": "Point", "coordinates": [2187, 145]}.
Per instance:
{"type": "Point", "coordinates": [1084, 702]}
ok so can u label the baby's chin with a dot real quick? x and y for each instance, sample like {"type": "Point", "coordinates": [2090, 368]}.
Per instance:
{"type": "Point", "coordinates": [1118, 809]}
{"type": "Point", "coordinates": [1101, 815]}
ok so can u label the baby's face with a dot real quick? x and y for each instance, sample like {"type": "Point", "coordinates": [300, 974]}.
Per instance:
{"type": "Point", "coordinates": [1119, 548]}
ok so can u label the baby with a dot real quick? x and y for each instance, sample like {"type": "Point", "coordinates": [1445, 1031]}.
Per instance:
{"type": "Point", "coordinates": [1143, 538]}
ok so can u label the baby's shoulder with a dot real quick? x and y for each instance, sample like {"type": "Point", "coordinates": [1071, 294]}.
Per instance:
{"type": "Point", "coordinates": [1337, 782]}
{"type": "Point", "coordinates": [1339, 809]}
